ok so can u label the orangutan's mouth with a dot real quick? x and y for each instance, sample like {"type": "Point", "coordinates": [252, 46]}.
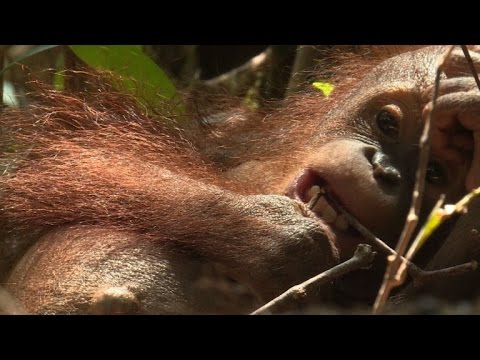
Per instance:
{"type": "Point", "coordinates": [312, 185]}
{"type": "Point", "coordinates": [360, 285]}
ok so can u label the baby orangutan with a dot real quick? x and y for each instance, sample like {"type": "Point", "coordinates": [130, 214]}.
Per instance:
{"type": "Point", "coordinates": [109, 210]}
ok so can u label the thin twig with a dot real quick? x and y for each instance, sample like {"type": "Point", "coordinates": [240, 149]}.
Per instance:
{"type": "Point", "coordinates": [367, 234]}
{"type": "Point", "coordinates": [470, 64]}
{"type": "Point", "coordinates": [420, 277]}
{"type": "Point", "coordinates": [277, 74]}
{"type": "Point", "coordinates": [315, 198]}
{"type": "Point", "coordinates": [391, 278]}
{"type": "Point", "coordinates": [363, 257]}
{"type": "Point", "coordinates": [242, 74]}
{"type": "Point", "coordinates": [304, 61]}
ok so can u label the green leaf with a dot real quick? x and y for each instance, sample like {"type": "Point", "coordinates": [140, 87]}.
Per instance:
{"type": "Point", "coordinates": [437, 216]}
{"type": "Point", "coordinates": [434, 221]}
{"type": "Point", "coordinates": [30, 53]}
{"type": "Point", "coordinates": [325, 88]}
{"type": "Point", "coordinates": [138, 71]}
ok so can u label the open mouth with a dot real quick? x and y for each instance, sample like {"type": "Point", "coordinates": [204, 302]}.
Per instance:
{"type": "Point", "coordinates": [310, 188]}
{"type": "Point", "coordinates": [313, 189]}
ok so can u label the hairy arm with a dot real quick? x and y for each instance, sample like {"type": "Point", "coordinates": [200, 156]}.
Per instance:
{"type": "Point", "coordinates": [264, 241]}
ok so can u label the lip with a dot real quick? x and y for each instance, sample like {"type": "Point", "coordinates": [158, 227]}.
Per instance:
{"type": "Point", "coordinates": [298, 191]}
{"type": "Point", "coordinates": [309, 177]}
{"type": "Point", "coordinates": [303, 182]}
{"type": "Point", "coordinates": [348, 287]}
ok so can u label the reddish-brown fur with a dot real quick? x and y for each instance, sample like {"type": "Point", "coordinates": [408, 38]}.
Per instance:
{"type": "Point", "coordinates": [87, 145]}
{"type": "Point", "coordinates": [95, 174]}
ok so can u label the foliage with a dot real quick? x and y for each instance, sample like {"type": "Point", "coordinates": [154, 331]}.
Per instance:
{"type": "Point", "coordinates": [134, 67]}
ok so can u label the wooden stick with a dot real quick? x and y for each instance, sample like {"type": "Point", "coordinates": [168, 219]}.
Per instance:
{"type": "Point", "coordinates": [419, 276]}
{"type": "Point", "coordinates": [363, 257]}
{"type": "Point", "coordinates": [392, 278]}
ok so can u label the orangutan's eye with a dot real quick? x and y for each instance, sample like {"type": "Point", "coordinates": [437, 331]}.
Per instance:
{"type": "Point", "coordinates": [387, 123]}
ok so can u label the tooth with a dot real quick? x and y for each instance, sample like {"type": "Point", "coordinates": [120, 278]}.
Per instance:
{"type": "Point", "coordinates": [320, 205]}
{"type": "Point", "coordinates": [341, 223]}
{"type": "Point", "coordinates": [329, 214]}
{"type": "Point", "coordinates": [312, 192]}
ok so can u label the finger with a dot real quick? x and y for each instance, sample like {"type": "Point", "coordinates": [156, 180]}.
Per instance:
{"type": "Point", "coordinates": [457, 64]}
{"type": "Point", "coordinates": [463, 141]}
{"type": "Point", "coordinates": [442, 147]}
{"type": "Point", "coordinates": [452, 110]}
{"type": "Point", "coordinates": [474, 48]}
{"type": "Point", "coordinates": [463, 107]}
{"type": "Point", "coordinates": [446, 86]}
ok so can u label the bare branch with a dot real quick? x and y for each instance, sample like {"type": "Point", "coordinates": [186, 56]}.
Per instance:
{"type": "Point", "coordinates": [371, 238]}
{"type": "Point", "coordinates": [422, 277]}
{"type": "Point", "coordinates": [392, 278]}
{"type": "Point", "coordinates": [363, 257]}
{"type": "Point", "coordinates": [304, 60]}
{"type": "Point", "coordinates": [281, 59]}
{"type": "Point", "coordinates": [242, 75]}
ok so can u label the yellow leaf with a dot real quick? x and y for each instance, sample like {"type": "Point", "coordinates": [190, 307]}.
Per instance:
{"type": "Point", "coordinates": [325, 88]}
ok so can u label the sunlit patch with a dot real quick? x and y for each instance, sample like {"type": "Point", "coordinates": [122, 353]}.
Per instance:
{"type": "Point", "coordinates": [9, 97]}
{"type": "Point", "coordinates": [325, 88]}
